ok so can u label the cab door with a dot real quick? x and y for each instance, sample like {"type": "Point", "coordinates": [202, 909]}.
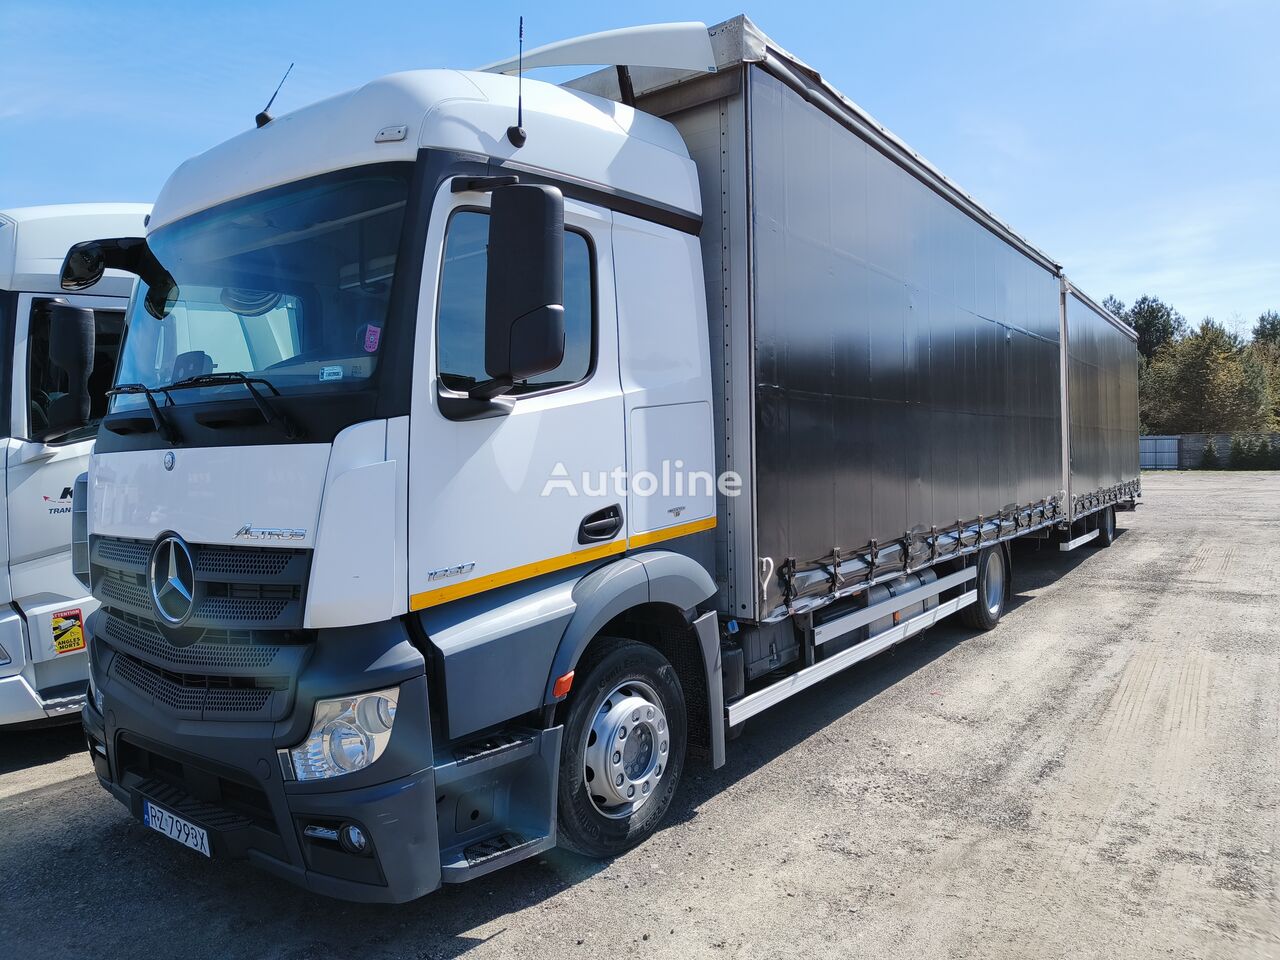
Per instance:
{"type": "Point", "coordinates": [42, 462]}
{"type": "Point", "coordinates": [501, 499]}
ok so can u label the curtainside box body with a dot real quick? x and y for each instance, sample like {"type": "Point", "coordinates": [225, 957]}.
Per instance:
{"type": "Point", "coordinates": [887, 355]}
{"type": "Point", "coordinates": [1100, 455]}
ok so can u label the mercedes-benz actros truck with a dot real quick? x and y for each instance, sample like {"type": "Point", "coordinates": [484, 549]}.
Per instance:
{"type": "Point", "coordinates": [58, 354]}
{"type": "Point", "coordinates": [481, 451]}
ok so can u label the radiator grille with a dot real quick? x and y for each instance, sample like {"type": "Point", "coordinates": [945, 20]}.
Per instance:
{"type": "Point", "coordinates": [117, 588]}
{"type": "Point", "coordinates": [236, 587]}
{"type": "Point", "coordinates": [216, 649]}
{"type": "Point", "coordinates": [133, 553]}
{"type": "Point", "coordinates": [153, 684]}
{"type": "Point", "coordinates": [236, 610]}
{"type": "Point", "coordinates": [243, 561]}
{"type": "Point", "coordinates": [194, 693]}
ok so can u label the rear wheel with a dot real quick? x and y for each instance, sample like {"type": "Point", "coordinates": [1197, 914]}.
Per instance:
{"type": "Point", "coordinates": [1106, 527]}
{"type": "Point", "coordinates": [623, 748]}
{"type": "Point", "coordinates": [992, 586]}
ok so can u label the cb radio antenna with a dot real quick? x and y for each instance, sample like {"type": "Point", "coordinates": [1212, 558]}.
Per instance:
{"type": "Point", "coordinates": [516, 134]}
{"type": "Point", "coordinates": [264, 117]}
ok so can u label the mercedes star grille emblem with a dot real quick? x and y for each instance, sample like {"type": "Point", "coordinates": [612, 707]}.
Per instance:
{"type": "Point", "coordinates": [173, 580]}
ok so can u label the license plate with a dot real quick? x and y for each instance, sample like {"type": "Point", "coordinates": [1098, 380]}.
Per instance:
{"type": "Point", "coordinates": [175, 828]}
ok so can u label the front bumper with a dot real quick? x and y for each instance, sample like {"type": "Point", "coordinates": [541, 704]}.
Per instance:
{"type": "Point", "coordinates": [20, 703]}
{"type": "Point", "coordinates": [433, 813]}
{"type": "Point", "coordinates": [238, 795]}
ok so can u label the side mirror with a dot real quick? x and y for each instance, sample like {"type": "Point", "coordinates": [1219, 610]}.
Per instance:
{"type": "Point", "coordinates": [71, 349]}
{"type": "Point", "coordinates": [85, 263]}
{"type": "Point", "coordinates": [524, 290]}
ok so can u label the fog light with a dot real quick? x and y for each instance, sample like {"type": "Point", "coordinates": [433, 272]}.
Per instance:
{"type": "Point", "coordinates": [353, 839]}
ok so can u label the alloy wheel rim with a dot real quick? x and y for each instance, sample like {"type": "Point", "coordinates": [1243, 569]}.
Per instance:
{"type": "Point", "coordinates": [995, 583]}
{"type": "Point", "coordinates": [626, 750]}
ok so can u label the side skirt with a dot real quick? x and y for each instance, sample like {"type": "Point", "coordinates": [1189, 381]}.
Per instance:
{"type": "Point", "coordinates": [774, 694]}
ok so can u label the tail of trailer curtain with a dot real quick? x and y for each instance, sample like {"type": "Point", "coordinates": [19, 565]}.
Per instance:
{"type": "Point", "coordinates": [1100, 456]}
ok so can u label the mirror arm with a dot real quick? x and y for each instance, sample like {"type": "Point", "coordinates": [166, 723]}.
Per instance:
{"type": "Point", "coordinates": [482, 184]}
{"type": "Point", "coordinates": [125, 253]}
{"type": "Point", "coordinates": [491, 388]}
{"type": "Point", "coordinates": [457, 408]}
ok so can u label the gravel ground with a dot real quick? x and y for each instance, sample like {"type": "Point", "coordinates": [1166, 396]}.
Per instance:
{"type": "Point", "coordinates": [1097, 777]}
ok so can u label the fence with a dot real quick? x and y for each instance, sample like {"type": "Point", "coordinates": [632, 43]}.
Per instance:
{"type": "Point", "coordinates": [1158, 453]}
{"type": "Point", "coordinates": [1186, 451]}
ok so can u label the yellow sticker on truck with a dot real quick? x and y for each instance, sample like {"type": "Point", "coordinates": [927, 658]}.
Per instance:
{"type": "Point", "coordinates": [68, 631]}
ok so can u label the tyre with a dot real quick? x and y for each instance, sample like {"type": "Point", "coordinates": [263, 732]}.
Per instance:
{"type": "Point", "coordinates": [1106, 527]}
{"type": "Point", "coordinates": [993, 590]}
{"type": "Point", "coordinates": [623, 748]}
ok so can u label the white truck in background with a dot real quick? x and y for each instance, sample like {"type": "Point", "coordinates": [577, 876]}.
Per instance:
{"type": "Point", "coordinates": [478, 450]}
{"type": "Point", "coordinates": [59, 354]}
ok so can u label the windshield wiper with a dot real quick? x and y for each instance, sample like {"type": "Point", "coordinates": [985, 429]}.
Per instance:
{"type": "Point", "coordinates": [163, 427]}
{"type": "Point", "coordinates": [270, 413]}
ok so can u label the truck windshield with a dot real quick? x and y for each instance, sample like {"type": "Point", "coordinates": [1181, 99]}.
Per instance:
{"type": "Point", "coordinates": [290, 285]}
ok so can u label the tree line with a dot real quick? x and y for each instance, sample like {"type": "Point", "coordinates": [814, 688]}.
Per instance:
{"type": "Point", "coordinates": [1204, 378]}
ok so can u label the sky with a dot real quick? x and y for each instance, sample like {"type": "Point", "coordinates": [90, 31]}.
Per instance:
{"type": "Point", "coordinates": [1135, 141]}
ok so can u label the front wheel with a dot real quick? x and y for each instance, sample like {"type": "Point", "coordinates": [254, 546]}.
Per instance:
{"type": "Point", "coordinates": [623, 748]}
{"type": "Point", "coordinates": [992, 586]}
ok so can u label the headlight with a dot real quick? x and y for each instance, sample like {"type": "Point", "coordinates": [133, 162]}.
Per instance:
{"type": "Point", "coordinates": [347, 734]}
{"type": "Point", "coordinates": [95, 695]}
{"type": "Point", "coordinates": [80, 530]}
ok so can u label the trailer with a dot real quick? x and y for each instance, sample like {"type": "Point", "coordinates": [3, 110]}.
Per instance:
{"type": "Point", "coordinates": [905, 380]}
{"type": "Point", "coordinates": [407, 567]}
{"type": "Point", "coordinates": [1100, 408]}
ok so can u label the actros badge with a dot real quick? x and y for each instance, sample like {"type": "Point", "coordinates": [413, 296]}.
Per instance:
{"type": "Point", "coordinates": [250, 532]}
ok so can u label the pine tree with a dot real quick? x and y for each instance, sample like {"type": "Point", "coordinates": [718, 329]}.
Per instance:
{"type": "Point", "coordinates": [1209, 457]}
{"type": "Point", "coordinates": [1238, 457]}
{"type": "Point", "coordinates": [1262, 455]}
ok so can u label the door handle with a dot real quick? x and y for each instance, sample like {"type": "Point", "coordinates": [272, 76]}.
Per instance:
{"type": "Point", "coordinates": [601, 525]}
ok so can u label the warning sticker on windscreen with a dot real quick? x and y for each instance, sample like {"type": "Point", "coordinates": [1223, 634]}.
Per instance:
{"type": "Point", "coordinates": [68, 631]}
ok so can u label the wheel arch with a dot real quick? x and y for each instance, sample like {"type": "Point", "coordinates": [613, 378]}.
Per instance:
{"type": "Point", "coordinates": [653, 598]}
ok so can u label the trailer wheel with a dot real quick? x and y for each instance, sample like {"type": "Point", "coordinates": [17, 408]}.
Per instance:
{"type": "Point", "coordinates": [993, 588]}
{"type": "Point", "coordinates": [1106, 527]}
{"type": "Point", "coordinates": [623, 748]}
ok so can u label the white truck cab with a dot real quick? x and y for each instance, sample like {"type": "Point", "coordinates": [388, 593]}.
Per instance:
{"type": "Point", "coordinates": [50, 403]}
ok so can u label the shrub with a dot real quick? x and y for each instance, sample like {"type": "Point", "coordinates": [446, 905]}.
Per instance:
{"type": "Point", "coordinates": [1238, 457]}
{"type": "Point", "coordinates": [1209, 457]}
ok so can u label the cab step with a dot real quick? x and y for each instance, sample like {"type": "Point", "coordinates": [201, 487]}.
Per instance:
{"type": "Point", "coordinates": [479, 857]}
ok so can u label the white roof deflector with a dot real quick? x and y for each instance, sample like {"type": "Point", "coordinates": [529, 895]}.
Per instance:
{"type": "Point", "coordinates": [682, 46]}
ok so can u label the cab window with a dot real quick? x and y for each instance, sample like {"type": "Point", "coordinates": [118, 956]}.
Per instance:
{"type": "Point", "coordinates": [460, 324]}
{"type": "Point", "coordinates": [55, 410]}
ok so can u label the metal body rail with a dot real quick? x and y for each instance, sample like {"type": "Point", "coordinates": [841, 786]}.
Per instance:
{"type": "Point", "coordinates": [753, 703]}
